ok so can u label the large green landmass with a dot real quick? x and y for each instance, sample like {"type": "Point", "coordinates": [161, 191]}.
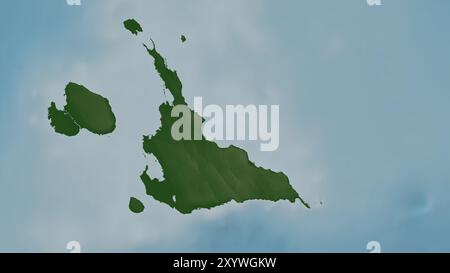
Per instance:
{"type": "Point", "coordinates": [198, 173]}
{"type": "Point", "coordinates": [83, 109]}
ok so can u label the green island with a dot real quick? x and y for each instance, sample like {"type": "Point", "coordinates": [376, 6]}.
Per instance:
{"type": "Point", "coordinates": [133, 26]}
{"type": "Point", "coordinates": [136, 205]}
{"type": "Point", "coordinates": [199, 174]}
{"type": "Point", "coordinates": [83, 109]}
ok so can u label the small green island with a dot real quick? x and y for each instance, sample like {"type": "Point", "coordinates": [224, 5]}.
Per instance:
{"type": "Point", "coordinates": [84, 109]}
{"type": "Point", "coordinates": [133, 26]}
{"type": "Point", "coordinates": [135, 205]}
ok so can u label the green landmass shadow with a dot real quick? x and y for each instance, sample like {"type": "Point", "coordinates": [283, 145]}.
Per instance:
{"type": "Point", "coordinates": [136, 205]}
{"type": "Point", "coordinates": [183, 39]}
{"type": "Point", "coordinates": [199, 174]}
{"type": "Point", "coordinates": [83, 109]}
{"type": "Point", "coordinates": [133, 26]}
